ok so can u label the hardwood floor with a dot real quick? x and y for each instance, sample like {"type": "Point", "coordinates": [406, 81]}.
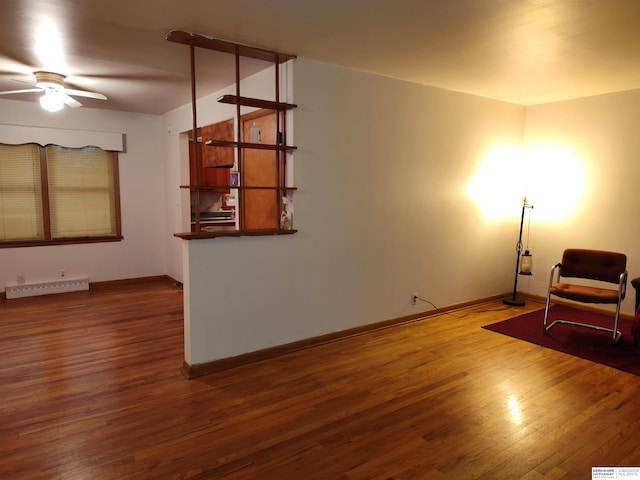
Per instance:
{"type": "Point", "coordinates": [92, 389]}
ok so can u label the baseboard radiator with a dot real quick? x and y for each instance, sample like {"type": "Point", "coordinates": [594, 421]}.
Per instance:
{"type": "Point", "coordinates": [47, 288]}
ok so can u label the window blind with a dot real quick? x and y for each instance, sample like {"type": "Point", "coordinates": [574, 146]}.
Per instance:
{"type": "Point", "coordinates": [82, 194]}
{"type": "Point", "coordinates": [21, 216]}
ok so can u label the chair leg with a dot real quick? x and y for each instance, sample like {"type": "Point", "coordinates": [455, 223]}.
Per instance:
{"type": "Point", "coordinates": [546, 308]}
{"type": "Point", "coordinates": [546, 313]}
{"type": "Point", "coordinates": [616, 334]}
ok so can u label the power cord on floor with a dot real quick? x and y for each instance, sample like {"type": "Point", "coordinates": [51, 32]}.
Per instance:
{"type": "Point", "coordinates": [459, 316]}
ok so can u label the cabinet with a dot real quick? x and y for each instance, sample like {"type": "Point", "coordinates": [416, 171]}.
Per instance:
{"type": "Point", "coordinates": [217, 157]}
{"type": "Point", "coordinates": [210, 179]}
{"type": "Point", "coordinates": [263, 195]}
{"type": "Point", "coordinates": [209, 188]}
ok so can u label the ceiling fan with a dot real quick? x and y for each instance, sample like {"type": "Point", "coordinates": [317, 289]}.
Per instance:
{"type": "Point", "coordinates": [56, 95]}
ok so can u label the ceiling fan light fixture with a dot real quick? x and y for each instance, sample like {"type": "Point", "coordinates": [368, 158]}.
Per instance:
{"type": "Point", "coordinates": [49, 80]}
{"type": "Point", "coordinates": [56, 95]}
{"type": "Point", "coordinates": [52, 100]}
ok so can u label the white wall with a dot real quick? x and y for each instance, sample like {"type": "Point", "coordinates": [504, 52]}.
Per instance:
{"type": "Point", "coordinates": [143, 251]}
{"type": "Point", "coordinates": [382, 210]}
{"type": "Point", "coordinates": [601, 133]}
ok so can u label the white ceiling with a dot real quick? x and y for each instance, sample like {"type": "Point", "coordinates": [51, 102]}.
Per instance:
{"type": "Point", "coordinates": [520, 51]}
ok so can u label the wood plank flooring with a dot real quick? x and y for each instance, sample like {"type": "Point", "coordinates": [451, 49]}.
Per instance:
{"type": "Point", "coordinates": [91, 389]}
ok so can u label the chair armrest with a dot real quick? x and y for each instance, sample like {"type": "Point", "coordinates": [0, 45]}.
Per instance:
{"type": "Point", "coordinates": [622, 286]}
{"type": "Point", "coordinates": [555, 269]}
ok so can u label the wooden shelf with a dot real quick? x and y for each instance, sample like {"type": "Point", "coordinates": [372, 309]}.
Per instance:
{"type": "Point", "coordinates": [232, 233]}
{"type": "Point", "coordinates": [238, 187]}
{"type": "Point", "coordinates": [210, 43]}
{"type": "Point", "coordinates": [257, 146]}
{"type": "Point", "coordinates": [205, 188]}
{"type": "Point", "coordinates": [256, 102]}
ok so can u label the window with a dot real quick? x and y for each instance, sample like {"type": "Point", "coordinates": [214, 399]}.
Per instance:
{"type": "Point", "coordinates": [55, 194]}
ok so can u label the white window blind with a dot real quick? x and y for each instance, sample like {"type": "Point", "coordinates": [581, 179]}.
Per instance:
{"type": "Point", "coordinates": [57, 194]}
{"type": "Point", "coordinates": [82, 194]}
{"type": "Point", "coordinates": [21, 216]}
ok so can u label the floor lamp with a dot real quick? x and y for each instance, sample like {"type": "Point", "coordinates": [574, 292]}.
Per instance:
{"type": "Point", "coordinates": [517, 302]}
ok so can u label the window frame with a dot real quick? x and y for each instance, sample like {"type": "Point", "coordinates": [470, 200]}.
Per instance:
{"type": "Point", "coordinates": [46, 212]}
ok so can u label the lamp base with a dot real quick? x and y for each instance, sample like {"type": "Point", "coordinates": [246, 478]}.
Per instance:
{"type": "Point", "coordinates": [514, 302]}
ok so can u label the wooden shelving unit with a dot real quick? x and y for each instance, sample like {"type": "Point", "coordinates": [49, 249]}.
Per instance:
{"type": "Point", "coordinates": [270, 226]}
{"type": "Point", "coordinates": [245, 145]}
{"type": "Point", "coordinates": [255, 102]}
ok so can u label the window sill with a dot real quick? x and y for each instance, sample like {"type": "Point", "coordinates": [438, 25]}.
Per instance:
{"type": "Point", "coordinates": [66, 241]}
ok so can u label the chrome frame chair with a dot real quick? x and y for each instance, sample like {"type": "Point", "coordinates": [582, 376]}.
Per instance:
{"type": "Point", "coordinates": [587, 264]}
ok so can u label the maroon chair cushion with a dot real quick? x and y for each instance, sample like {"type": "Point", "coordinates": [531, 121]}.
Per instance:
{"type": "Point", "coordinates": [593, 264]}
{"type": "Point", "coordinates": [584, 294]}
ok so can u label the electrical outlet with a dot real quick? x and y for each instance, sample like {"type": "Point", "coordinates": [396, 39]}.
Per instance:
{"type": "Point", "coordinates": [414, 298]}
{"type": "Point", "coordinates": [20, 279]}
{"type": "Point", "coordinates": [63, 273]}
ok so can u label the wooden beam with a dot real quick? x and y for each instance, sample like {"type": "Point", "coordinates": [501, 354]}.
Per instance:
{"type": "Point", "coordinates": [210, 43]}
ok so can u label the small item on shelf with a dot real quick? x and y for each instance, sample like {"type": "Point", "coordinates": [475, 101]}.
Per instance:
{"type": "Point", "coordinates": [285, 220]}
{"type": "Point", "coordinates": [256, 133]}
{"type": "Point", "coordinates": [287, 213]}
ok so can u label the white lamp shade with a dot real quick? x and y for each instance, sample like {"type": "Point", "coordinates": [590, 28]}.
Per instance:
{"type": "Point", "coordinates": [51, 101]}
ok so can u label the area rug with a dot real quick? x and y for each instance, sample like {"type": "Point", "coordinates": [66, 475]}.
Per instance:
{"type": "Point", "coordinates": [581, 342]}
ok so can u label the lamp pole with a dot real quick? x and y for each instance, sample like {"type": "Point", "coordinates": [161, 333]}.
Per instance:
{"type": "Point", "coordinates": [514, 301]}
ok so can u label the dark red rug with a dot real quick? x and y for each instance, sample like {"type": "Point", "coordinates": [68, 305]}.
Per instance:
{"type": "Point", "coordinates": [582, 342]}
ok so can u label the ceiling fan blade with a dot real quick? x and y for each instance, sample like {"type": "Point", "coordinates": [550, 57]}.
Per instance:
{"type": "Point", "coordinates": [28, 90]}
{"type": "Point", "coordinates": [71, 102]}
{"type": "Point", "coordinates": [33, 84]}
{"type": "Point", "coordinates": [84, 93]}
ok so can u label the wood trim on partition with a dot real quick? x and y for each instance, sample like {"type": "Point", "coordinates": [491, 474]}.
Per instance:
{"type": "Point", "coordinates": [201, 369]}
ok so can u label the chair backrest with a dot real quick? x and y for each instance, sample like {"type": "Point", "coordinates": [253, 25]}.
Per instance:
{"type": "Point", "coordinates": [593, 264]}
